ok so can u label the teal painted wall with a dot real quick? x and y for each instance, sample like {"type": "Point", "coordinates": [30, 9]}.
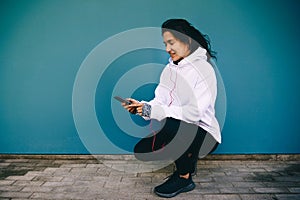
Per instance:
{"type": "Point", "coordinates": [44, 43]}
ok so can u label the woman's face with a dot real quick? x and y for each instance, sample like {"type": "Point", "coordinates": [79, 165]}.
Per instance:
{"type": "Point", "coordinates": [176, 48]}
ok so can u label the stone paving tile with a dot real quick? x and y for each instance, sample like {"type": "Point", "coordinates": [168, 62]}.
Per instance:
{"type": "Point", "coordinates": [258, 197]}
{"type": "Point", "coordinates": [36, 189]}
{"type": "Point", "coordinates": [221, 197]}
{"type": "Point", "coordinates": [11, 194]}
{"type": "Point", "coordinates": [288, 196]}
{"type": "Point", "coordinates": [269, 190]}
{"type": "Point", "coordinates": [92, 179]}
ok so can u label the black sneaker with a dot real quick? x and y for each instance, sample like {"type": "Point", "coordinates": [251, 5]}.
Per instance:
{"type": "Point", "coordinates": [174, 186]}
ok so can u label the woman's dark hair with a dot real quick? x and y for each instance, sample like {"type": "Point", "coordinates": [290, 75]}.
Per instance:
{"type": "Point", "coordinates": [185, 32]}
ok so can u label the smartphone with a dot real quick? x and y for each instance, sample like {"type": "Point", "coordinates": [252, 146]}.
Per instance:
{"type": "Point", "coordinates": [122, 100]}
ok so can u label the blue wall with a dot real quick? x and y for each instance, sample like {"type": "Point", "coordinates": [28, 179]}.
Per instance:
{"type": "Point", "coordinates": [44, 43]}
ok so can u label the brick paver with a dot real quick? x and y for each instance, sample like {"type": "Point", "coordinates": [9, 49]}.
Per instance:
{"type": "Point", "coordinates": [64, 178]}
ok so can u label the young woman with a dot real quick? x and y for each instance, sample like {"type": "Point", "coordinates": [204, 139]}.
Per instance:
{"type": "Point", "coordinates": [185, 100]}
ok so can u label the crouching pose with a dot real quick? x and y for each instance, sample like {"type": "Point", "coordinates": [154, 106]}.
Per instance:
{"type": "Point", "coordinates": [185, 101]}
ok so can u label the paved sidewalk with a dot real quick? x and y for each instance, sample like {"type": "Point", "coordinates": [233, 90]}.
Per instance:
{"type": "Point", "coordinates": [65, 178]}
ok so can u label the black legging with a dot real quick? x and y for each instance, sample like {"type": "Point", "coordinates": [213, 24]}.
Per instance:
{"type": "Point", "coordinates": [189, 139]}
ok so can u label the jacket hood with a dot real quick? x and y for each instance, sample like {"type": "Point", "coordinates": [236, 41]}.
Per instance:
{"type": "Point", "coordinates": [198, 54]}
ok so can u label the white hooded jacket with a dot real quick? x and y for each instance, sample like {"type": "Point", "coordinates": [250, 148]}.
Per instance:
{"type": "Point", "coordinates": [187, 92]}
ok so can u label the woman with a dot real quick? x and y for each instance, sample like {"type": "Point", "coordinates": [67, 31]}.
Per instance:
{"type": "Point", "coordinates": [185, 99]}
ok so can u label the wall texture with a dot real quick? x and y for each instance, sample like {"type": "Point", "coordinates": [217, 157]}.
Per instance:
{"type": "Point", "coordinates": [45, 43]}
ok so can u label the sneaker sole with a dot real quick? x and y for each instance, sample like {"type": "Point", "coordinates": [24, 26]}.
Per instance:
{"type": "Point", "coordinates": [188, 188]}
